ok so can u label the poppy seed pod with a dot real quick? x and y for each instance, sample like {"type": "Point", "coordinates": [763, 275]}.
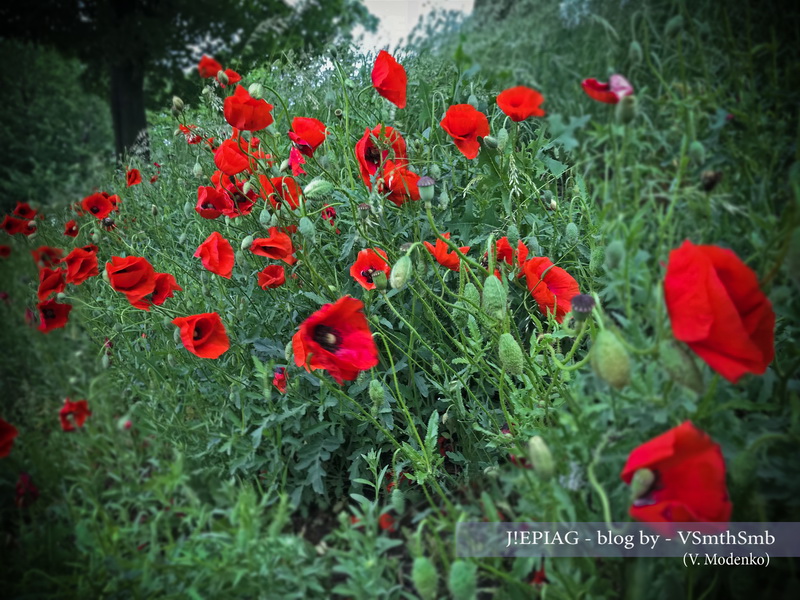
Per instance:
{"type": "Point", "coordinates": [494, 298]}
{"type": "Point", "coordinates": [401, 272]}
{"type": "Point", "coordinates": [540, 457]}
{"type": "Point", "coordinates": [511, 358]}
{"type": "Point", "coordinates": [338, 113]}
{"type": "Point", "coordinates": [610, 360]}
{"type": "Point", "coordinates": [318, 188]}
{"type": "Point", "coordinates": [425, 578]}
{"type": "Point", "coordinates": [582, 306]}
{"type": "Point", "coordinates": [426, 185]}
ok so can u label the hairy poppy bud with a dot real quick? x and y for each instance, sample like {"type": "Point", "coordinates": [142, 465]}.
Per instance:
{"type": "Point", "coordinates": [95, 237]}
{"type": "Point", "coordinates": [571, 233]}
{"type": "Point", "coordinates": [197, 170]}
{"type": "Point", "coordinates": [398, 500]}
{"type": "Point", "coordinates": [490, 142]}
{"type": "Point", "coordinates": [306, 227]}
{"type": "Point", "coordinates": [626, 110]}
{"type": "Point", "coordinates": [318, 188]}
{"type": "Point", "coordinates": [435, 171]}
{"type": "Point", "coordinates": [105, 361]}
{"type": "Point", "coordinates": [264, 217]}
{"type": "Point", "coordinates": [425, 185]}
{"type": "Point", "coordinates": [615, 255]}
{"type": "Point", "coordinates": [610, 360]}
{"type": "Point", "coordinates": [376, 393]}
{"type": "Point", "coordinates": [380, 281]}
{"type": "Point", "coordinates": [462, 581]}
{"type": "Point", "coordinates": [502, 139]}
{"type": "Point", "coordinates": [641, 483]}
{"type": "Point", "coordinates": [188, 209]}
{"type": "Point", "coordinates": [444, 199]}
{"type": "Point", "coordinates": [680, 366]}
{"type": "Point", "coordinates": [425, 578]}
{"type": "Point", "coordinates": [246, 242]}
{"type": "Point", "coordinates": [288, 351]}
{"type": "Point", "coordinates": [471, 294]}
{"type": "Point", "coordinates": [553, 205]}
{"type": "Point", "coordinates": [635, 53]}
{"type": "Point", "coordinates": [697, 152]}
{"type": "Point", "coordinates": [177, 104]}
{"type": "Point", "coordinates": [401, 272]}
{"type": "Point", "coordinates": [256, 90]}
{"type": "Point", "coordinates": [494, 297]}
{"type": "Point", "coordinates": [222, 77]}
{"type": "Point", "coordinates": [511, 358]}
{"type": "Point", "coordinates": [154, 210]}
{"type": "Point", "coordinates": [247, 187]}
{"type": "Point", "coordinates": [284, 165]}
{"type": "Point", "coordinates": [540, 457]}
{"type": "Point", "coordinates": [473, 101]}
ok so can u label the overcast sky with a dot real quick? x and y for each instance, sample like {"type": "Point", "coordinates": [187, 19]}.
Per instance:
{"type": "Point", "coordinates": [398, 18]}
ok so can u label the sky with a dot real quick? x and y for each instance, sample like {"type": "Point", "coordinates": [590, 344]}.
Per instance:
{"type": "Point", "coordinates": [398, 18]}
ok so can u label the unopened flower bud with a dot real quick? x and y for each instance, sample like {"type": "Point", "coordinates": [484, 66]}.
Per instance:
{"type": "Point", "coordinates": [154, 210]}
{"type": "Point", "coordinates": [697, 152]}
{"type": "Point", "coordinates": [471, 294]}
{"type": "Point", "coordinates": [511, 358]}
{"type": "Point", "coordinates": [540, 457]}
{"type": "Point", "coordinates": [473, 101]}
{"type": "Point", "coordinates": [571, 233]}
{"type": "Point", "coordinates": [494, 298]}
{"type": "Point", "coordinates": [398, 500]}
{"type": "Point", "coordinates": [627, 109]}
{"type": "Point", "coordinates": [197, 170]}
{"type": "Point", "coordinates": [502, 139]}
{"type": "Point", "coordinates": [463, 580]}
{"type": "Point", "coordinates": [247, 187]}
{"type": "Point", "coordinates": [401, 272]}
{"type": "Point", "coordinates": [284, 165]}
{"type": "Point", "coordinates": [288, 351]}
{"type": "Point", "coordinates": [512, 233]}
{"type": "Point", "coordinates": [264, 216]}
{"type": "Point", "coordinates": [376, 393]}
{"type": "Point", "coordinates": [641, 483]}
{"type": "Point", "coordinates": [610, 360]}
{"type": "Point", "coordinates": [318, 188]}
{"type": "Point", "coordinates": [490, 142]}
{"type": "Point", "coordinates": [105, 361]}
{"type": "Point", "coordinates": [182, 238]}
{"type": "Point", "coordinates": [426, 188]}
{"type": "Point", "coordinates": [680, 365]}
{"type": "Point", "coordinates": [553, 204]}
{"type": "Point", "coordinates": [256, 90]}
{"type": "Point", "coordinates": [615, 255]}
{"type": "Point", "coordinates": [246, 242]}
{"type": "Point", "coordinates": [435, 172]}
{"type": "Point", "coordinates": [425, 578]}
{"type": "Point", "coordinates": [222, 77]}
{"type": "Point", "coordinates": [177, 104]}
{"type": "Point", "coordinates": [673, 26]}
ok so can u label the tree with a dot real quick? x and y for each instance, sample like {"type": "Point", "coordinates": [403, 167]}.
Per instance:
{"type": "Point", "coordinates": [124, 41]}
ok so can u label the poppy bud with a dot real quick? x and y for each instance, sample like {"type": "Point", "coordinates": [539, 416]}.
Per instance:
{"type": "Point", "coordinates": [264, 217]}
{"type": "Point", "coordinates": [105, 361]}
{"type": "Point", "coordinates": [571, 233]}
{"type": "Point", "coordinates": [502, 139]}
{"type": "Point", "coordinates": [540, 457]}
{"type": "Point", "coordinates": [680, 366]}
{"type": "Point", "coordinates": [376, 393]}
{"type": "Point", "coordinates": [182, 238]}
{"type": "Point", "coordinates": [615, 255]}
{"type": "Point", "coordinates": [444, 199]}
{"type": "Point", "coordinates": [380, 281]}
{"type": "Point", "coordinates": [256, 90]}
{"type": "Point", "coordinates": [553, 205]}
{"type": "Point", "coordinates": [610, 360]}
{"type": "Point", "coordinates": [401, 272]}
{"type": "Point", "coordinates": [425, 185]}
{"type": "Point", "coordinates": [246, 242]}
{"type": "Point", "coordinates": [288, 351]}
{"type": "Point", "coordinates": [188, 209]}
{"type": "Point", "coordinates": [306, 227]}
{"type": "Point", "coordinates": [247, 187]}
{"type": "Point", "coordinates": [635, 53]}
{"type": "Point", "coordinates": [512, 233]}
{"type": "Point", "coordinates": [473, 100]}
{"type": "Point", "coordinates": [177, 104]}
{"type": "Point", "coordinates": [222, 77]}
{"type": "Point", "coordinates": [490, 142]}
{"type": "Point", "coordinates": [494, 298]}
{"type": "Point", "coordinates": [641, 483]}
{"type": "Point", "coordinates": [471, 294]}
{"type": "Point", "coordinates": [318, 188]}
{"type": "Point", "coordinates": [462, 581]}
{"type": "Point", "coordinates": [511, 358]}
{"type": "Point", "coordinates": [435, 172]}
{"type": "Point", "coordinates": [154, 210]}
{"type": "Point", "coordinates": [350, 83]}
{"type": "Point", "coordinates": [398, 500]}
{"type": "Point", "coordinates": [273, 220]}
{"type": "Point", "coordinates": [60, 296]}
{"type": "Point", "coordinates": [626, 110]}
{"type": "Point", "coordinates": [425, 578]}
{"type": "Point", "coordinates": [176, 335]}
{"type": "Point", "coordinates": [284, 165]}
{"type": "Point", "coordinates": [197, 170]}
{"type": "Point", "coordinates": [697, 152]}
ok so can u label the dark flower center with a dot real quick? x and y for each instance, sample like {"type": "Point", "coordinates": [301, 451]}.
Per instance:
{"type": "Point", "coordinates": [197, 333]}
{"type": "Point", "coordinates": [373, 155]}
{"type": "Point", "coordinates": [48, 313]}
{"type": "Point", "coordinates": [327, 338]}
{"type": "Point", "coordinates": [207, 205]}
{"type": "Point", "coordinates": [95, 209]}
{"type": "Point", "coordinates": [108, 222]}
{"type": "Point", "coordinates": [368, 273]}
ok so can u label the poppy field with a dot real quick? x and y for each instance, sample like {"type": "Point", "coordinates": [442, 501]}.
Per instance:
{"type": "Point", "coordinates": [336, 309]}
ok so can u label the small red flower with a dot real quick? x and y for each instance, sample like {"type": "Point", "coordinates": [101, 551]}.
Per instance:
{"type": "Point", "coordinates": [5, 251]}
{"type": "Point", "coordinates": [279, 381]}
{"type": "Point", "coordinates": [203, 335]}
{"type": "Point", "coordinates": [336, 338]}
{"type": "Point", "coordinates": [441, 252]}
{"type": "Point", "coordinates": [552, 287]}
{"type": "Point", "coordinates": [376, 148]}
{"type": "Point", "coordinates": [99, 205]}
{"type": "Point", "coordinates": [208, 67]}
{"type": "Point", "coordinates": [73, 414]}
{"type": "Point", "coordinates": [81, 264]}
{"type": "Point", "coordinates": [716, 306]}
{"type": "Point", "coordinates": [47, 256]}
{"type": "Point", "coordinates": [368, 262]}
{"type": "Point", "coordinates": [230, 158]}
{"type": "Point", "coordinates": [51, 281]}
{"type": "Point", "coordinates": [25, 492]}
{"type": "Point", "coordinates": [233, 77]}
{"type": "Point", "coordinates": [520, 102]}
{"type": "Point", "coordinates": [52, 315]}
{"type": "Point", "coordinates": [280, 190]}
{"type": "Point", "coordinates": [212, 202]}
{"type": "Point", "coordinates": [216, 254]}
{"type": "Point", "coordinates": [189, 134]}
{"type": "Point", "coordinates": [611, 92]}
{"type": "Point", "coordinates": [133, 177]}
{"type": "Point", "coordinates": [400, 183]}
{"type": "Point", "coordinates": [165, 285]}
{"type": "Point", "coordinates": [389, 79]}
{"type": "Point", "coordinates": [71, 228]}
{"type": "Point", "coordinates": [243, 111]}
{"type": "Point", "coordinates": [277, 246]}
{"type": "Point", "coordinates": [134, 276]}
{"type": "Point", "coordinates": [13, 226]}
{"type": "Point", "coordinates": [273, 276]}
{"type": "Point", "coordinates": [387, 523]}
{"type": "Point", "coordinates": [689, 478]}
{"type": "Point", "coordinates": [505, 253]}
{"type": "Point", "coordinates": [464, 124]}
{"type": "Point", "coordinates": [7, 435]}
{"type": "Point", "coordinates": [307, 134]}
{"type": "Point", "coordinates": [539, 577]}
{"type": "Point", "coordinates": [296, 162]}
{"type": "Point", "coordinates": [23, 210]}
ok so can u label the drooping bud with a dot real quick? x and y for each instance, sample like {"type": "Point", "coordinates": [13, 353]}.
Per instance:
{"type": "Point", "coordinates": [401, 272]}
{"type": "Point", "coordinates": [284, 165]}
{"type": "Point", "coordinates": [264, 216]}
{"type": "Point", "coordinates": [673, 26]}
{"type": "Point", "coordinates": [182, 238]}
{"type": "Point", "coordinates": [582, 306]}
{"type": "Point", "coordinates": [222, 77]}
{"type": "Point", "coordinates": [154, 210]}
{"type": "Point", "coordinates": [494, 298]}
{"type": "Point", "coordinates": [256, 90]}
{"type": "Point", "coordinates": [610, 360]}
{"type": "Point", "coordinates": [317, 188]}
{"type": "Point", "coordinates": [553, 204]}
{"type": "Point", "coordinates": [177, 104]}
{"type": "Point", "coordinates": [197, 170]}
{"type": "Point", "coordinates": [288, 351]}
{"type": "Point", "coordinates": [635, 53]}
{"type": "Point", "coordinates": [426, 188]}
{"type": "Point", "coordinates": [246, 242]}
{"type": "Point", "coordinates": [188, 209]}
{"type": "Point", "coordinates": [697, 152]}
{"type": "Point", "coordinates": [473, 101]}
{"type": "Point", "coordinates": [462, 582]}
{"type": "Point", "coordinates": [435, 171]}
{"type": "Point", "coordinates": [680, 365]}
{"type": "Point", "coordinates": [471, 294]}
{"type": "Point", "coordinates": [571, 233]}
{"type": "Point", "coordinates": [540, 457]}
{"type": "Point", "coordinates": [247, 187]}
{"type": "Point", "coordinates": [490, 142]}
{"type": "Point", "coordinates": [615, 255]}
{"type": "Point", "coordinates": [425, 578]}
{"type": "Point", "coordinates": [511, 358]}
{"type": "Point", "coordinates": [627, 109]}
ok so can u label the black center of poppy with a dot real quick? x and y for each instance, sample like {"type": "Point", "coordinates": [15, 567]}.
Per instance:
{"type": "Point", "coordinates": [95, 209]}
{"type": "Point", "coordinates": [108, 222]}
{"type": "Point", "coordinates": [372, 155]}
{"type": "Point", "coordinates": [327, 338]}
{"type": "Point", "coordinates": [197, 334]}
{"type": "Point", "coordinates": [207, 205]}
{"type": "Point", "coordinates": [368, 273]}
{"type": "Point", "coordinates": [48, 313]}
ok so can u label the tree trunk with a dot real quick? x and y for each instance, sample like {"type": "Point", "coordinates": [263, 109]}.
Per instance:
{"type": "Point", "coordinates": [127, 109]}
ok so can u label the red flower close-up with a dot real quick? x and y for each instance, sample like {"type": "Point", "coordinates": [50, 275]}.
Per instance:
{"type": "Point", "coordinates": [368, 262]}
{"type": "Point", "coordinates": [307, 134]}
{"type": "Point", "coordinates": [8, 434]}
{"type": "Point", "coordinates": [465, 124]}
{"type": "Point", "coordinates": [336, 338]}
{"type": "Point", "coordinates": [400, 183]}
{"type": "Point", "coordinates": [551, 286]}
{"type": "Point", "coordinates": [203, 335]}
{"type": "Point", "coordinates": [716, 306]}
{"type": "Point", "coordinates": [389, 79]}
{"type": "Point", "coordinates": [133, 177]}
{"type": "Point", "coordinates": [376, 148]}
{"type": "Point", "coordinates": [52, 315]}
{"type": "Point", "coordinates": [208, 67]}
{"type": "Point", "coordinates": [13, 226]}
{"type": "Point", "coordinates": [189, 134]}
{"type": "Point", "coordinates": [71, 228]}
{"type": "Point", "coordinates": [280, 190]}
{"type": "Point", "coordinates": [686, 478]}
{"type": "Point", "coordinates": [81, 264]}
{"type": "Point", "coordinates": [212, 202]}
{"type": "Point", "coordinates": [609, 93]}
{"type": "Point", "coordinates": [280, 379]}
{"type": "Point", "coordinates": [73, 414]}
{"type": "Point", "coordinates": [273, 276]}
{"type": "Point", "coordinates": [165, 285]}
{"type": "Point", "coordinates": [230, 158]}
{"type": "Point", "coordinates": [98, 205]}
{"type": "Point", "coordinates": [242, 111]}
{"type": "Point", "coordinates": [51, 281]}
{"type": "Point", "coordinates": [521, 102]}
{"type": "Point", "coordinates": [216, 254]}
{"type": "Point", "coordinates": [23, 210]}
{"type": "Point", "coordinates": [444, 256]}
{"type": "Point", "coordinates": [134, 276]}
{"type": "Point", "coordinates": [277, 246]}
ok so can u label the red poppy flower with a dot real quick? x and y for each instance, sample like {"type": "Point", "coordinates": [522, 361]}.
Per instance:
{"type": "Point", "coordinates": [400, 183]}
{"type": "Point", "coordinates": [520, 102]}
{"type": "Point", "coordinates": [464, 124]}
{"type": "Point", "coordinates": [5, 251]}
{"type": "Point", "coordinates": [716, 306]}
{"type": "Point", "coordinates": [13, 226]}
{"type": "Point", "coordinates": [279, 381]}
{"type": "Point", "coordinates": [230, 159]}
{"type": "Point", "coordinates": [217, 255]}
{"type": "Point", "coordinates": [505, 253]}
{"type": "Point", "coordinates": [296, 162]}
{"type": "Point", "coordinates": [278, 246]}
{"type": "Point", "coordinates": [441, 252]}
{"type": "Point", "coordinates": [376, 147]}
{"type": "Point", "coordinates": [165, 285]}
{"type": "Point", "coordinates": [233, 78]}
{"type": "Point", "coordinates": [552, 287]}
{"type": "Point", "coordinates": [273, 276]}
{"type": "Point", "coordinates": [51, 281]}
{"type": "Point", "coordinates": [134, 276]}
{"type": "Point", "coordinates": [73, 414]}
{"type": "Point", "coordinates": [389, 79]}
{"type": "Point", "coordinates": [47, 256]}
{"type": "Point", "coordinates": [203, 335]}
{"type": "Point", "coordinates": [208, 67]}
{"type": "Point", "coordinates": [211, 202]}
{"type": "Point", "coordinates": [71, 228]}
{"type": "Point", "coordinates": [52, 315]}
{"type": "Point", "coordinates": [611, 92]}
{"type": "Point", "coordinates": [307, 134]}
{"type": "Point", "coordinates": [99, 205]}
{"type": "Point", "coordinates": [188, 133]}
{"type": "Point", "coordinates": [336, 338]}
{"type": "Point", "coordinates": [25, 492]}
{"type": "Point", "coordinates": [539, 576]}
{"type": "Point", "coordinates": [7, 435]}
{"type": "Point", "coordinates": [386, 522]}
{"type": "Point", "coordinates": [243, 111]}
{"type": "Point", "coordinates": [688, 478]}
{"type": "Point", "coordinates": [133, 177]}
{"type": "Point", "coordinates": [23, 210]}
{"type": "Point", "coordinates": [279, 190]}
{"type": "Point", "coordinates": [368, 262]}
{"type": "Point", "coordinates": [81, 264]}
